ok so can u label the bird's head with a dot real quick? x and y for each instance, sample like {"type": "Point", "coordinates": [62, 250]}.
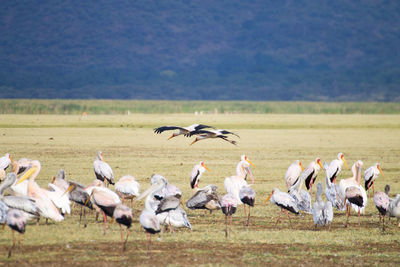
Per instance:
{"type": "Point", "coordinates": [204, 166]}
{"type": "Point", "coordinates": [318, 161]}
{"type": "Point", "coordinates": [172, 136]}
{"type": "Point", "coordinates": [379, 168]}
{"type": "Point", "coordinates": [269, 197]}
{"type": "Point", "coordinates": [341, 157]}
{"type": "Point", "coordinates": [301, 166]}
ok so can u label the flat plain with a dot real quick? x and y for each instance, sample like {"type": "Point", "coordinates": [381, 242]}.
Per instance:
{"type": "Point", "coordinates": [272, 142]}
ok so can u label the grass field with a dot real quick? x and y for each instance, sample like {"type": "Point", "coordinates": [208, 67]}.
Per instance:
{"type": "Point", "coordinates": [272, 142]}
{"type": "Point", "coordinates": [68, 107]}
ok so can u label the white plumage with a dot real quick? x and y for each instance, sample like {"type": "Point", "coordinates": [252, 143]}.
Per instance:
{"type": "Point", "coordinates": [322, 211]}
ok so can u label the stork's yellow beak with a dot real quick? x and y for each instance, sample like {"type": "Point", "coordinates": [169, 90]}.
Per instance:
{"type": "Point", "coordinates": [27, 174]}
{"type": "Point", "coordinates": [69, 190]}
{"type": "Point", "coordinates": [320, 164]}
{"type": "Point", "coordinates": [195, 140]}
{"type": "Point", "coordinates": [268, 198]}
{"type": "Point", "coordinates": [250, 162]}
{"type": "Point", "coordinates": [380, 170]}
{"type": "Point", "coordinates": [204, 165]}
{"type": "Point", "coordinates": [172, 136]}
{"type": "Point", "coordinates": [345, 164]}
{"type": "Point", "coordinates": [301, 166]}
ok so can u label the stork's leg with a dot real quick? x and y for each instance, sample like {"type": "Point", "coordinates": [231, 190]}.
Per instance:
{"type": "Point", "coordinates": [373, 188]}
{"type": "Point", "coordinates": [290, 223]}
{"type": "Point", "coordinates": [105, 222]}
{"type": "Point", "coordinates": [383, 225]}
{"type": "Point", "coordinates": [13, 245]}
{"type": "Point", "coordinates": [279, 218]}
{"type": "Point", "coordinates": [226, 226]}
{"type": "Point", "coordinates": [347, 213]}
{"type": "Point", "coordinates": [244, 208]}
{"type": "Point", "coordinates": [84, 217]}
{"type": "Point", "coordinates": [120, 231]}
{"type": "Point", "coordinates": [126, 239]}
{"type": "Point", "coordinates": [80, 216]}
{"type": "Point", "coordinates": [359, 212]}
{"type": "Point", "coordinates": [248, 217]}
{"type": "Point", "coordinates": [148, 244]}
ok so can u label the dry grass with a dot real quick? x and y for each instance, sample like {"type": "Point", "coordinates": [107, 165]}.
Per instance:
{"type": "Point", "coordinates": [272, 142]}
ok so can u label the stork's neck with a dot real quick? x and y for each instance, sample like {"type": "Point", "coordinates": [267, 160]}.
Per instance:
{"type": "Point", "coordinates": [6, 184]}
{"type": "Point", "coordinates": [240, 170]}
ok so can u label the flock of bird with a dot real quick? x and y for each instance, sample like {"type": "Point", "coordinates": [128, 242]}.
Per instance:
{"type": "Point", "coordinates": [163, 207]}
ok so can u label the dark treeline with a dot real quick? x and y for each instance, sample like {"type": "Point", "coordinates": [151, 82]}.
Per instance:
{"type": "Point", "coordinates": [222, 50]}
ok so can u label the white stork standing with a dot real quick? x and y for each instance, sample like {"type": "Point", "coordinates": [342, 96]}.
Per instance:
{"type": "Point", "coordinates": [335, 166]}
{"type": "Point", "coordinates": [228, 207]}
{"type": "Point", "coordinates": [127, 188]}
{"type": "Point", "coordinates": [394, 208]}
{"type": "Point", "coordinates": [186, 131]}
{"type": "Point", "coordinates": [233, 184]}
{"type": "Point", "coordinates": [311, 173]}
{"type": "Point", "coordinates": [302, 197]}
{"type": "Point", "coordinates": [284, 201]}
{"type": "Point", "coordinates": [102, 170]}
{"type": "Point", "coordinates": [381, 200]}
{"type": "Point", "coordinates": [205, 134]}
{"type": "Point", "coordinates": [355, 181]}
{"type": "Point", "coordinates": [332, 192]}
{"type": "Point", "coordinates": [148, 218]}
{"type": "Point", "coordinates": [293, 173]}
{"type": "Point", "coordinates": [370, 175]}
{"type": "Point", "coordinates": [322, 211]}
{"type": "Point", "coordinates": [196, 173]}
{"type": "Point", "coordinates": [248, 196]}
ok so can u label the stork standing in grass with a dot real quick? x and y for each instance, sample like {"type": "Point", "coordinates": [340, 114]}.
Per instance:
{"type": "Point", "coordinates": [311, 173]}
{"type": "Point", "coordinates": [228, 207]}
{"type": "Point", "coordinates": [370, 175]}
{"type": "Point", "coordinates": [103, 170]}
{"type": "Point", "coordinates": [334, 167]}
{"type": "Point", "coordinates": [233, 184]}
{"type": "Point", "coordinates": [293, 173]}
{"type": "Point", "coordinates": [322, 211]}
{"type": "Point", "coordinates": [148, 218]}
{"type": "Point", "coordinates": [196, 173]}
{"type": "Point", "coordinates": [127, 188]}
{"type": "Point", "coordinates": [284, 201]}
{"type": "Point", "coordinates": [381, 200]}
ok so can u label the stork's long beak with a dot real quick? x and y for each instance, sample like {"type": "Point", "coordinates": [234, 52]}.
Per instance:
{"type": "Point", "coordinates": [250, 162]}
{"type": "Point", "coordinates": [27, 174]}
{"type": "Point", "coordinates": [172, 136]}
{"type": "Point", "coordinates": [268, 198]}
{"type": "Point", "coordinates": [71, 186]}
{"type": "Point", "coordinates": [380, 170]}
{"type": "Point", "coordinates": [301, 166]}
{"type": "Point", "coordinates": [195, 140]}
{"type": "Point", "coordinates": [320, 164]}
{"type": "Point", "coordinates": [204, 165]}
{"type": "Point", "coordinates": [54, 178]}
{"type": "Point", "coordinates": [345, 164]}
{"type": "Point", "coordinates": [87, 200]}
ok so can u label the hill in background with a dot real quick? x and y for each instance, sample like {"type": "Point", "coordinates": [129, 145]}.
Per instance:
{"type": "Point", "coordinates": [252, 50]}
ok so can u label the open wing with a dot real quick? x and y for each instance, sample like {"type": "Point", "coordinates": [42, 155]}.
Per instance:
{"type": "Point", "coordinates": [168, 128]}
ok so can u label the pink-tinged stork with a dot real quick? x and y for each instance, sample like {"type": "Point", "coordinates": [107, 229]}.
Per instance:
{"type": "Point", "coordinates": [381, 200]}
